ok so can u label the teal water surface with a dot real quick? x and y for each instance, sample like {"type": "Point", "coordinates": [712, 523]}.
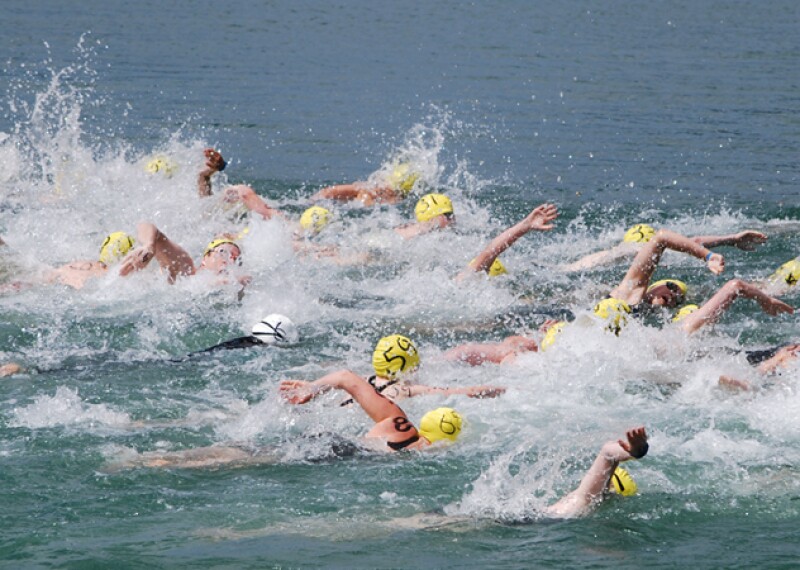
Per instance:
{"type": "Point", "coordinates": [682, 115]}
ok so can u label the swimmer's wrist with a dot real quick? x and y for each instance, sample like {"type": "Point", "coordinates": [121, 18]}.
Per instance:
{"type": "Point", "coordinates": [708, 256]}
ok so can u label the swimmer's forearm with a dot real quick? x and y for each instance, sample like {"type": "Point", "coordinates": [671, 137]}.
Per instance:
{"type": "Point", "coordinates": [716, 241]}
{"type": "Point", "coordinates": [204, 183]}
{"type": "Point", "coordinates": [667, 239]}
{"type": "Point", "coordinates": [340, 192]}
{"type": "Point", "coordinates": [148, 234]}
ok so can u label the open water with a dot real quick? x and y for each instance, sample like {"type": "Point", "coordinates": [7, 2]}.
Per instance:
{"type": "Point", "coordinates": [680, 114]}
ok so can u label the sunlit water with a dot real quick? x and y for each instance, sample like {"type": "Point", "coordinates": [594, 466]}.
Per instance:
{"type": "Point", "coordinates": [688, 119]}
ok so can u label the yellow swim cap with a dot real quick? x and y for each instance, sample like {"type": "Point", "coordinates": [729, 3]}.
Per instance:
{"type": "Point", "coordinates": [789, 273]}
{"type": "Point", "coordinates": [684, 312]}
{"type": "Point", "coordinates": [161, 164]}
{"type": "Point", "coordinates": [432, 205]}
{"type": "Point", "coordinates": [218, 242]}
{"type": "Point", "coordinates": [550, 336]}
{"type": "Point", "coordinates": [394, 354]}
{"type": "Point", "coordinates": [115, 246]}
{"type": "Point", "coordinates": [403, 178]}
{"type": "Point", "coordinates": [615, 312]}
{"type": "Point", "coordinates": [496, 268]}
{"type": "Point", "coordinates": [623, 483]}
{"type": "Point", "coordinates": [315, 218]}
{"type": "Point", "coordinates": [640, 233]}
{"type": "Point", "coordinates": [441, 423]}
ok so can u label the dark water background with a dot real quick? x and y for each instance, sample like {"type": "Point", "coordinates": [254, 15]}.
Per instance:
{"type": "Point", "coordinates": [685, 114]}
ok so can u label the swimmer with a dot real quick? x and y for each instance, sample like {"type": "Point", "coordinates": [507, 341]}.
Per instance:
{"type": "Point", "coordinates": [721, 301]}
{"type": "Point", "coordinates": [635, 289]}
{"type": "Point", "coordinates": [433, 212]}
{"type": "Point", "coordinates": [640, 234]}
{"type": "Point", "coordinates": [272, 330]}
{"type": "Point", "coordinates": [383, 190]}
{"type": "Point", "coordinates": [603, 479]}
{"type": "Point", "coordinates": [219, 257]}
{"type": "Point", "coordinates": [539, 219]}
{"type": "Point", "coordinates": [393, 431]}
{"type": "Point", "coordinates": [232, 195]}
{"type": "Point", "coordinates": [77, 273]}
{"type": "Point", "coordinates": [596, 482]}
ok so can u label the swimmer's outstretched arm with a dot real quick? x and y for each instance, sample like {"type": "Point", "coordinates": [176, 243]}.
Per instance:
{"type": "Point", "coordinates": [153, 243]}
{"type": "Point", "coordinates": [633, 286]}
{"type": "Point", "coordinates": [476, 353]}
{"type": "Point", "coordinates": [342, 192]}
{"type": "Point", "coordinates": [539, 220]}
{"type": "Point", "coordinates": [252, 201]}
{"type": "Point", "coordinates": [414, 229]}
{"type": "Point", "coordinates": [479, 392]}
{"type": "Point", "coordinates": [214, 163]}
{"type": "Point", "coordinates": [715, 307]}
{"type": "Point", "coordinates": [391, 422]}
{"type": "Point", "coordinates": [746, 240]}
{"type": "Point", "coordinates": [595, 482]}
{"type": "Point", "coordinates": [377, 407]}
{"type": "Point", "coordinates": [605, 257]}
{"type": "Point", "coordinates": [783, 358]}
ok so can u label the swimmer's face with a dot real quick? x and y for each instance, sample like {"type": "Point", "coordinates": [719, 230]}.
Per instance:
{"type": "Point", "coordinates": [667, 295]}
{"type": "Point", "coordinates": [220, 257]}
{"type": "Point", "coordinates": [445, 220]}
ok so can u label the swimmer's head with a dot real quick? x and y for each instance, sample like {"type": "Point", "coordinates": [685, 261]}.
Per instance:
{"type": "Point", "coordinates": [314, 219]}
{"type": "Point", "coordinates": [393, 355]}
{"type": "Point", "coordinates": [220, 252]}
{"type": "Point", "coordinates": [115, 247]}
{"type": "Point", "coordinates": [666, 293]}
{"type": "Point", "coordinates": [623, 483]}
{"type": "Point", "coordinates": [402, 178]}
{"type": "Point", "coordinates": [788, 273]}
{"type": "Point", "coordinates": [441, 423]}
{"type": "Point", "coordinates": [433, 205]}
{"type": "Point", "coordinates": [550, 335]}
{"type": "Point", "coordinates": [640, 233]}
{"type": "Point", "coordinates": [276, 329]}
{"type": "Point", "coordinates": [161, 165]}
{"type": "Point", "coordinates": [497, 268]}
{"type": "Point", "coordinates": [614, 312]}
{"type": "Point", "coordinates": [684, 312]}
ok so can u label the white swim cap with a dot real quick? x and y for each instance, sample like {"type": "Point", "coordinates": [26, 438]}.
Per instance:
{"type": "Point", "coordinates": [276, 329]}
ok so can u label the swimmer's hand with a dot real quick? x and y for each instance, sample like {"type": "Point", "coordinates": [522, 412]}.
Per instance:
{"type": "Point", "coordinates": [748, 240]}
{"type": "Point", "coordinates": [716, 263]}
{"type": "Point", "coordinates": [773, 306]}
{"type": "Point", "coordinates": [297, 391]}
{"type": "Point", "coordinates": [485, 391]}
{"type": "Point", "coordinates": [214, 160]}
{"type": "Point", "coordinates": [135, 260]}
{"type": "Point", "coordinates": [733, 384]}
{"type": "Point", "coordinates": [541, 216]}
{"type": "Point", "coordinates": [10, 369]}
{"type": "Point", "coordinates": [547, 324]}
{"type": "Point", "coordinates": [636, 445]}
